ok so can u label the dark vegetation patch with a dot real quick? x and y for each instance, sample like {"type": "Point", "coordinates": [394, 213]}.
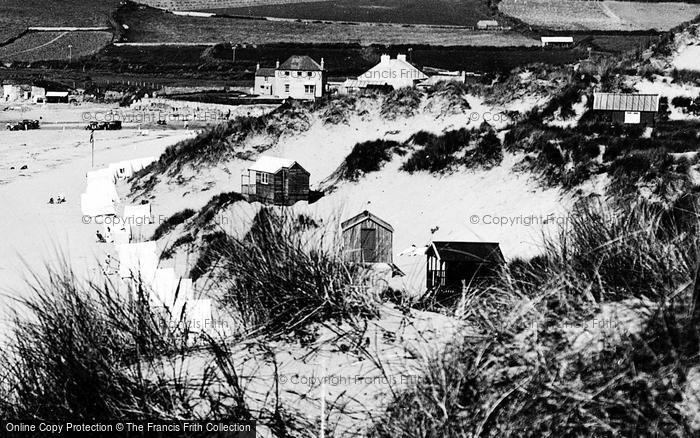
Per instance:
{"type": "Point", "coordinates": [570, 156]}
{"type": "Point", "coordinates": [437, 152]}
{"type": "Point", "coordinates": [206, 215]}
{"type": "Point", "coordinates": [462, 147]}
{"type": "Point", "coordinates": [369, 156]}
{"type": "Point", "coordinates": [173, 221]}
{"type": "Point", "coordinates": [403, 102]}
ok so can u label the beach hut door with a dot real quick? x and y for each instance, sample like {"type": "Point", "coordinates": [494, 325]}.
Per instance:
{"type": "Point", "coordinates": [368, 237]}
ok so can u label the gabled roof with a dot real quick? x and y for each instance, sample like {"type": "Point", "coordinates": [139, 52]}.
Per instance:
{"type": "Point", "coordinates": [362, 217]}
{"type": "Point", "coordinates": [487, 23]}
{"type": "Point", "coordinates": [625, 102]}
{"type": "Point", "coordinates": [391, 69]}
{"type": "Point", "coordinates": [269, 164]}
{"type": "Point", "coordinates": [476, 252]}
{"type": "Point", "coordinates": [300, 62]}
{"type": "Point", "coordinates": [265, 72]}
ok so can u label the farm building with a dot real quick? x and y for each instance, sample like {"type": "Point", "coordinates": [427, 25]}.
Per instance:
{"type": "Point", "coordinates": [299, 77]}
{"type": "Point", "coordinates": [277, 181]}
{"type": "Point", "coordinates": [557, 41]}
{"type": "Point", "coordinates": [628, 108]}
{"type": "Point", "coordinates": [394, 73]}
{"type": "Point", "coordinates": [449, 264]}
{"type": "Point", "coordinates": [367, 239]}
{"type": "Point", "coordinates": [487, 25]}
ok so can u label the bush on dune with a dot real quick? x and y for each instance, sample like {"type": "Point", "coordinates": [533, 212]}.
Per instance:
{"type": "Point", "coordinates": [366, 157]}
{"type": "Point", "coordinates": [172, 222]}
{"type": "Point", "coordinates": [438, 152]}
{"type": "Point", "coordinates": [403, 102]}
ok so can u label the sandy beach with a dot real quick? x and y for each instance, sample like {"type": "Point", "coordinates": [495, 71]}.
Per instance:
{"type": "Point", "coordinates": [56, 160]}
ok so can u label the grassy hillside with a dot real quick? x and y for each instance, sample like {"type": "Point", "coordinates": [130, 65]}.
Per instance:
{"type": "Point", "coordinates": [446, 12]}
{"type": "Point", "coordinates": [17, 15]}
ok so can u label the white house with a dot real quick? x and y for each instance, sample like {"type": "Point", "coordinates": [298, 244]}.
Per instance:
{"type": "Point", "coordinates": [395, 73]}
{"type": "Point", "coordinates": [487, 24]}
{"type": "Point", "coordinates": [557, 41]}
{"type": "Point", "coordinates": [299, 77]}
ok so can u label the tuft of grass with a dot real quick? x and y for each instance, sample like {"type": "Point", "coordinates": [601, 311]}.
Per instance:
{"type": "Point", "coordinates": [172, 222]}
{"type": "Point", "coordinates": [403, 102]}
{"type": "Point", "coordinates": [203, 219]}
{"type": "Point", "coordinates": [368, 157]}
{"type": "Point", "coordinates": [438, 153]}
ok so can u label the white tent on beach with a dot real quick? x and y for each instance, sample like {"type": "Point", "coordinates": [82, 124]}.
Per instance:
{"type": "Point", "coordinates": [126, 168]}
{"type": "Point", "coordinates": [104, 174]}
{"type": "Point", "coordinates": [137, 214]}
{"type": "Point", "coordinates": [138, 261]}
{"type": "Point", "coordinates": [93, 204]}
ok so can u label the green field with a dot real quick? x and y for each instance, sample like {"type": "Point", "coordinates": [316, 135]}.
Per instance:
{"type": "Point", "coordinates": [151, 25]}
{"type": "Point", "coordinates": [600, 15]}
{"type": "Point", "coordinates": [17, 15]}
{"type": "Point", "coordinates": [47, 46]}
{"type": "Point", "coordinates": [446, 12]}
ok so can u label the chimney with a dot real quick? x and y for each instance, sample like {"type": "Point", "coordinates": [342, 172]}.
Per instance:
{"type": "Point", "coordinates": [277, 64]}
{"type": "Point", "coordinates": [385, 58]}
{"type": "Point", "coordinates": [322, 64]}
{"type": "Point", "coordinates": [401, 57]}
{"type": "Point", "coordinates": [257, 66]}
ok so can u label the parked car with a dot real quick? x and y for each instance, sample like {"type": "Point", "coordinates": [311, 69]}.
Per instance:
{"type": "Point", "coordinates": [104, 126]}
{"type": "Point", "coordinates": [24, 125]}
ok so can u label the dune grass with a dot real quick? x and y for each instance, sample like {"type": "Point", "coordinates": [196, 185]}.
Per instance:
{"type": "Point", "coordinates": [524, 371]}
{"type": "Point", "coordinates": [283, 275]}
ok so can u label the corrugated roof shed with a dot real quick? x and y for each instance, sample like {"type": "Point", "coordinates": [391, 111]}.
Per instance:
{"type": "Point", "coordinates": [300, 62]}
{"type": "Point", "coordinates": [626, 102]}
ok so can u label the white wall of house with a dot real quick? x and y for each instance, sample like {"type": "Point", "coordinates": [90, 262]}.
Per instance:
{"type": "Point", "coordinates": [298, 84]}
{"type": "Point", "coordinates": [264, 85]}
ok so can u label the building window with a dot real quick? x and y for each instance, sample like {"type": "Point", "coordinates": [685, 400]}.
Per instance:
{"type": "Point", "coordinates": [309, 74]}
{"type": "Point", "coordinates": [298, 73]}
{"type": "Point", "coordinates": [286, 88]}
{"type": "Point", "coordinates": [309, 89]}
{"type": "Point", "coordinates": [286, 73]}
{"type": "Point", "coordinates": [262, 178]}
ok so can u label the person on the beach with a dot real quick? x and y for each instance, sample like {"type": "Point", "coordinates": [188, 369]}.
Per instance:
{"type": "Point", "coordinates": [51, 200]}
{"type": "Point", "coordinates": [100, 237]}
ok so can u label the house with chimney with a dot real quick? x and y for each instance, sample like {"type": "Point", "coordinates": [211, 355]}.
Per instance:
{"type": "Point", "coordinates": [389, 73]}
{"type": "Point", "coordinates": [299, 77]}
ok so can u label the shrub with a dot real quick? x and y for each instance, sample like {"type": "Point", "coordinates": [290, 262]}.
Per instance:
{"type": "Point", "coordinates": [214, 206]}
{"type": "Point", "coordinates": [438, 152]}
{"type": "Point", "coordinates": [489, 151]}
{"type": "Point", "coordinates": [403, 102]}
{"type": "Point", "coordinates": [170, 223]}
{"type": "Point", "coordinates": [368, 157]}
